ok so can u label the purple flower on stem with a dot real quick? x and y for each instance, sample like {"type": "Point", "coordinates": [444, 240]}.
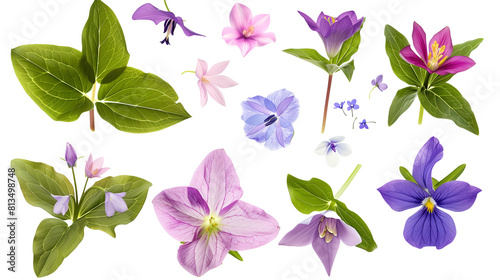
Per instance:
{"type": "Point", "coordinates": [210, 81]}
{"type": "Point", "coordinates": [93, 168]}
{"type": "Point", "coordinates": [332, 149]}
{"type": "Point", "coordinates": [377, 83]}
{"type": "Point", "coordinates": [340, 106]}
{"type": "Point", "coordinates": [114, 202]}
{"type": "Point", "coordinates": [334, 31]}
{"type": "Point", "coordinates": [150, 12]}
{"type": "Point", "coordinates": [270, 119]}
{"type": "Point", "coordinates": [363, 124]}
{"type": "Point", "coordinates": [351, 106]}
{"type": "Point", "coordinates": [247, 31]}
{"type": "Point", "coordinates": [70, 155]}
{"type": "Point", "coordinates": [438, 58]}
{"type": "Point", "coordinates": [324, 234]}
{"type": "Point", "coordinates": [61, 205]}
{"type": "Point", "coordinates": [210, 218]}
{"type": "Point", "coordinates": [429, 226]}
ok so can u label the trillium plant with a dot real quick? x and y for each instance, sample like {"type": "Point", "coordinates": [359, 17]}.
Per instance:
{"type": "Point", "coordinates": [427, 72]}
{"type": "Point", "coordinates": [209, 219]}
{"type": "Point", "coordinates": [110, 202]}
{"type": "Point", "coordinates": [333, 224]}
{"type": "Point", "coordinates": [63, 81]}
{"type": "Point", "coordinates": [341, 37]}
{"type": "Point", "coordinates": [429, 226]}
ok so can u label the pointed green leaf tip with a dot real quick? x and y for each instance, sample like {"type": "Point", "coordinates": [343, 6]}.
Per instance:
{"type": "Point", "coordinates": [309, 196]}
{"type": "Point", "coordinates": [452, 176]}
{"type": "Point", "coordinates": [236, 255]}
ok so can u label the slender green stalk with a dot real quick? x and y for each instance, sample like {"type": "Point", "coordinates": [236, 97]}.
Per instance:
{"type": "Point", "coordinates": [421, 114]}
{"type": "Point", "coordinates": [85, 187]}
{"type": "Point", "coordinates": [188, 71]}
{"type": "Point", "coordinates": [354, 122]}
{"type": "Point", "coordinates": [348, 182]}
{"type": "Point", "coordinates": [370, 94]}
{"type": "Point", "coordinates": [165, 1]}
{"type": "Point", "coordinates": [75, 214]}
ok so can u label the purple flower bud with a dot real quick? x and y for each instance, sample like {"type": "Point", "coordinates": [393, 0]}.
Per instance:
{"type": "Point", "coordinates": [70, 155]}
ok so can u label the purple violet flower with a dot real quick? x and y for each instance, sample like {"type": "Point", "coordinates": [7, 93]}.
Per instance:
{"type": "Point", "coordinates": [332, 149]}
{"type": "Point", "coordinates": [324, 234]}
{"type": "Point", "coordinates": [114, 202]}
{"type": "Point", "coordinates": [339, 106]}
{"type": "Point", "coordinates": [334, 31]}
{"type": "Point", "coordinates": [150, 12]}
{"type": "Point", "coordinates": [363, 124]}
{"type": "Point", "coordinates": [270, 119]}
{"type": "Point", "coordinates": [377, 83]}
{"type": "Point", "coordinates": [430, 226]}
{"type": "Point", "coordinates": [439, 59]}
{"type": "Point", "coordinates": [210, 218]}
{"type": "Point", "coordinates": [61, 205]}
{"type": "Point", "coordinates": [70, 155]}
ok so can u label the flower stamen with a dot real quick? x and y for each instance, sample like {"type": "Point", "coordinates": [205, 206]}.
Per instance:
{"type": "Point", "coordinates": [205, 80]}
{"type": "Point", "coordinates": [435, 58]}
{"type": "Point", "coordinates": [248, 32]}
{"type": "Point", "coordinates": [429, 203]}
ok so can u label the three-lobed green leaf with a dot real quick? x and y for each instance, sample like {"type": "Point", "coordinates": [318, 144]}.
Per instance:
{"type": "Point", "coordinates": [401, 102]}
{"type": "Point", "coordinates": [309, 196]}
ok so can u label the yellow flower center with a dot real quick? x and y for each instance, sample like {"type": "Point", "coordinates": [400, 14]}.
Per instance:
{"type": "Point", "coordinates": [205, 80]}
{"type": "Point", "coordinates": [435, 58]}
{"type": "Point", "coordinates": [330, 20]}
{"type": "Point", "coordinates": [211, 223]}
{"type": "Point", "coordinates": [429, 203]}
{"type": "Point", "coordinates": [327, 229]}
{"type": "Point", "coordinates": [248, 32]}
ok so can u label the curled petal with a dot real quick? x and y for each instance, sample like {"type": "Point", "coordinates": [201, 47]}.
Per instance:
{"type": "Point", "coordinates": [303, 233]}
{"type": "Point", "coordinates": [420, 41]}
{"type": "Point", "coordinates": [408, 55]}
{"type": "Point", "coordinates": [240, 16]}
{"type": "Point", "coordinates": [427, 157]}
{"type": "Point", "coordinates": [429, 229]}
{"type": "Point", "coordinates": [188, 32]}
{"type": "Point", "coordinates": [312, 24]}
{"type": "Point", "coordinates": [402, 195]}
{"type": "Point", "coordinates": [150, 12]}
{"type": "Point", "coordinates": [326, 251]}
{"type": "Point", "coordinates": [456, 195]}
{"type": "Point", "coordinates": [455, 64]}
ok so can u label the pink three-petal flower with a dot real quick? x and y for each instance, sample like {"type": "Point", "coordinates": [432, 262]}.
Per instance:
{"type": "Point", "coordinates": [210, 81]}
{"type": "Point", "coordinates": [210, 218]}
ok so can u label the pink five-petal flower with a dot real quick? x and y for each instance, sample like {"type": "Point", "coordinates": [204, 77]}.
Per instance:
{"type": "Point", "coordinates": [247, 32]}
{"type": "Point", "coordinates": [210, 81]}
{"type": "Point", "coordinates": [210, 218]}
{"type": "Point", "coordinates": [93, 168]}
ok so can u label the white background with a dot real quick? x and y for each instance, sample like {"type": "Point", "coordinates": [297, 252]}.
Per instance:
{"type": "Point", "coordinates": [143, 250]}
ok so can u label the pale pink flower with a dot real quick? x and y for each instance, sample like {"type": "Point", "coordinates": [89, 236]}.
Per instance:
{"type": "Point", "coordinates": [210, 81]}
{"type": "Point", "coordinates": [94, 168]}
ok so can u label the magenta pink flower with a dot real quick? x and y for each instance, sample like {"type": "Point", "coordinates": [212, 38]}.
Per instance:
{"type": "Point", "coordinates": [210, 81]}
{"type": "Point", "coordinates": [247, 32]}
{"type": "Point", "coordinates": [94, 168]}
{"type": "Point", "coordinates": [210, 218]}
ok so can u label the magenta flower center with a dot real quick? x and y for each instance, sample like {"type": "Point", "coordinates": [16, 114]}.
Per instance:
{"type": "Point", "coordinates": [327, 229]}
{"type": "Point", "coordinates": [248, 32]}
{"type": "Point", "coordinates": [435, 58]}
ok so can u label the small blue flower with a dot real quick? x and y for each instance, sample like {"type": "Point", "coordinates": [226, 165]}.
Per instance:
{"type": "Point", "coordinates": [363, 124]}
{"type": "Point", "coordinates": [270, 119]}
{"type": "Point", "coordinates": [332, 149]}
{"type": "Point", "coordinates": [339, 106]}
{"type": "Point", "coordinates": [377, 83]}
{"type": "Point", "coordinates": [352, 105]}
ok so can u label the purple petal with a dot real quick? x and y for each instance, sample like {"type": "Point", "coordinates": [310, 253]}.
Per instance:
{"type": "Point", "coordinates": [181, 212]}
{"type": "Point", "coordinates": [283, 105]}
{"type": "Point", "coordinates": [443, 38]}
{"type": "Point", "coordinates": [271, 139]}
{"type": "Point", "coordinates": [374, 83]}
{"type": "Point", "coordinates": [303, 233]}
{"type": "Point", "coordinates": [188, 32]}
{"type": "Point", "coordinates": [61, 205]}
{"type": "Point", "coordinates": [312, 24]}
{"type": "Point", "coordinates": [260, 23]}
{"type": "Point", "coordinates": [240, 17]}
{"type": "Point", "coordinates": [245, 45]}
{"type": "Point", "coordinates": [343, 30]}
{"type": "Point", "coordinates": [256, 104]}
{"type": "Point", "coordinates": [150, 12]}
{"type": "Point", "coordinates": [290, 112]}
{"type": "Point", "coordinates": [203, 254]}
{"type": "Point", "coordinates": [427, 157]}
{"type": "Point", "coordinates": [247, 226]}
{"type": "Point", "coordinates": [455, 64]}
{"type": "Point", "coordinates": [217, 181]}
{"type": "Point", "coordinates": [117, 202]}
{"type": "Point", "coordinates": [343, 149]}
{"type": "Point", "coordinates": [255, 129]}
{"type": "Point", "coordinates": [420, 41]}
{"type": "Point", "coordinates": [322, 148]}
{"type": "Point", "coordinates": [230, 34]}
{"type": "Point", "coordinates": [382, 86]}
{"type": "Point", "coordinates": [279, 134]}
{"type": "Point", "coordinates": [70, 155]}
{"type": "Point", "coordinates": [326, 251]}
{"type": "Point", "coordinates": [402, 195]}
{"type": "Point", "coordinates": [379, 79]}
{"type": "Point", "coordinates": [456, 195]}
{"type": "Point", "coordinates": [411, 57]}
{"type": "Point", "coordinates": [108, 207]}
{"type": "Point", "coordinates": [256, 119]}
{"type": "Point", "coordinates": [430, 229]}
{"type": "Point", "coordinates": [347, 234]}
{"type": "Point", "coordinates": [217, 68]}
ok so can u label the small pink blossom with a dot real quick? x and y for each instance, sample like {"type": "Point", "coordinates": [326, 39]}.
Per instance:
{"type": "Point", "coordinates": [210, 81]}
{"type": "Point", "coordinates": [94, 168]}
{"type": "Point", "coordinates": [247, 32]}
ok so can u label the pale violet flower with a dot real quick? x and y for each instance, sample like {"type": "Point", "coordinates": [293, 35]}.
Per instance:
{"type": "Point", "coordinates": [332, 149]}
{"type": "Point", "coordinates": [61, 205]}
{"type": "Point", "coordinates": [113, 202]}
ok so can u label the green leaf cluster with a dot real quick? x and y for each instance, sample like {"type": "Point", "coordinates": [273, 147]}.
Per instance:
{"type": "Point", "coordinates": [436, 96]}
{"type": "Point", "coordinates": [59, 79]}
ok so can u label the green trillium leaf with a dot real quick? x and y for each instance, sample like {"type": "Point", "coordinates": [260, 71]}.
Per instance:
{"type": "Point", "coordinates": [139, 102]}
{"type": "Point", "coordinates": [92, 202]}
{"type": "Point", "coordinates": [55, 78]}
{"type": "Point", "coordinates": [39, 181]}
{"type": "Point", "coordinates": [236, 255]}
{"type": "Point", "coordinates": [355, 221]}
{"type": "Point", "coordinates": [452, 176]}
{"type": "Point", "coordinates": [406, 72]}
{"type": "Point", "coordinates": [309, 196]}
{"type": "Point", "coordinates": [103, 42]}
{"type": "Point", "coordinates": [401, 102]}
{"type": "Point", "coordinates": [446, 102]}
{"type": "Point", "coordinates": [53, 242]}
{"type": "Point", "coordinates": [311, 56]}
{"type": "Point", "coordinates": [406, 174]}
{"type": "Point", "coordinates": [348, 69]}
{"type": "Point", "coordinates": [348, 49]}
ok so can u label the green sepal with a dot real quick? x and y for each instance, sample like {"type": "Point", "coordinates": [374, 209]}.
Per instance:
{"type": "Point", "coordinates": [452, 176]}
{"type": "Point", "coordinates": [236, 255]}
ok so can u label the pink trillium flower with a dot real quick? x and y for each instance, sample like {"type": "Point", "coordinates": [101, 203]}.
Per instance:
{"type": "Point", "coordinates": [61, 205]}
{"type": "Point", "coordinates": [438, 58]}
{"type": "Point", "coordinates": [93, 168]}
{"type": "Point", "coordinates": [210, 218]}
{"type": "Point", "coordinates": [247, 31]}
{"type": "Point", "coordinates": [113, 202]}
{"type": "Point", "coordinates": [324, 234]}
{"type": "Point", "coordinates": [210, 81]}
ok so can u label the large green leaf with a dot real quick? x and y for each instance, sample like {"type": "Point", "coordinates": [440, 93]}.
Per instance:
{"type": "Point", "coordinates": [446, 102]}
{"type": "Point", "coordinates": [452, 176]}
{"type": "Point", "coordinates": [355, 221]}
{"type": "Point", "coordinates": [39, 181]}
{"type": "Point", "coordinates": [349, 47]}
{"type": "Point", "coordinates": [401, 102]}
{"type": "Point", "coordinates": [53, 242]}
{"type": "Point", "coordinates": [55, 78]}
{"type": "Point", "coordinates": [92, 203]}
{"type": "Point", "coordinates": [139, 102]}
{"type": "Point", "coordinates": [311, 56]}
{"type": "Point", "coordinates": [463, 49]}
{"type": "Point", "coordinates": [406, 72]}
{"type": "Point", "coordinates": [103, 42]}
{"type": "Point", "coordinates": [348, 69]}
{"type": "Point", "coordinates": [309, 196]}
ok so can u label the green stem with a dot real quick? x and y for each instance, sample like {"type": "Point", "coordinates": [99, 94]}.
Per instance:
{"type": "Point", "coordinates": [165, 1]}
{"type": "Point", "coordinates": [85, 187]}
{"type": "Point", "coordinates": [326, 102]}
{"type": "Point", "coordinates": [426, 81]}
{"type": "Point", "coordinates": [348, 182]}
{"type": "Point", "coordinates": [188, 71]}
{"type": "Point", "coordinates": [421, 114]}
{"type": "Point", "coordinates": [75, 215]}
{"type": "Point", "coordinates": [370, 94]}
{"type": "Point", "coordinates": [354, 122]}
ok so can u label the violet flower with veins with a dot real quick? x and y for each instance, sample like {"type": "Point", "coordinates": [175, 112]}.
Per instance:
{"type": "Point", "coordinates": [430, 226]}
{"type": "Point", "coordinates": [210, 217]}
